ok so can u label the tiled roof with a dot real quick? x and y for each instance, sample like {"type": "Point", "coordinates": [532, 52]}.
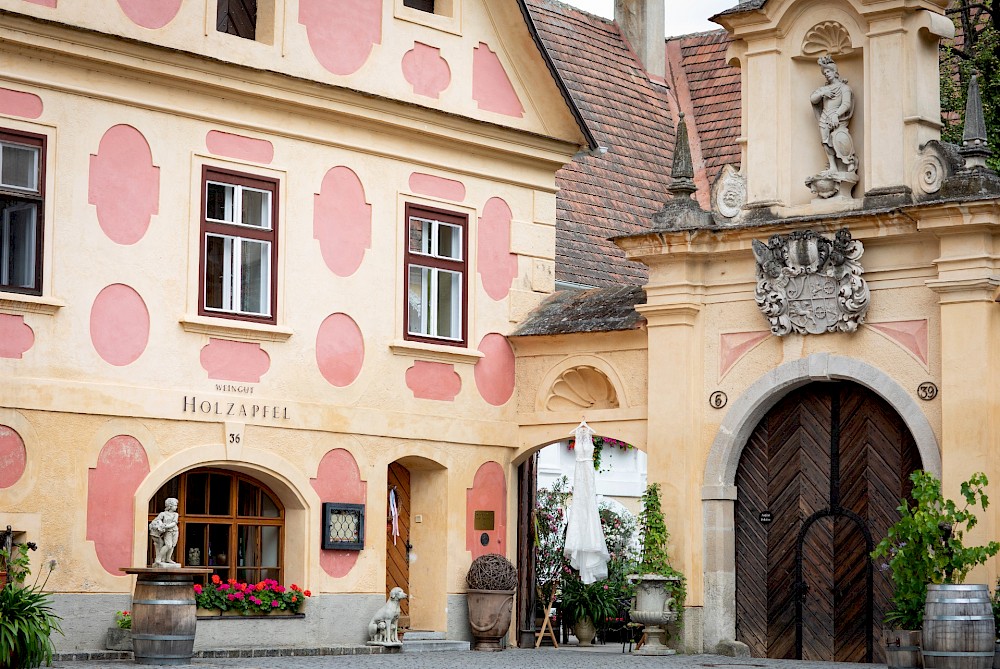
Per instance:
{"type": "Point", "coordinates": [594, 310]}
{"type": "Point", "coordinates": [618, 193]}
{"type": "Point", "coordinates": [714, 88]}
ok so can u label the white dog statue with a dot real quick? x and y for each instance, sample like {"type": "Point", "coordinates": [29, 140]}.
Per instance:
{"type": "Point", "coordinates": [384, 627]}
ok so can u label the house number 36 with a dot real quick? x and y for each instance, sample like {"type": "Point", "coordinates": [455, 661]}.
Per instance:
{"type": "Point", "coordinates": [234, 438]}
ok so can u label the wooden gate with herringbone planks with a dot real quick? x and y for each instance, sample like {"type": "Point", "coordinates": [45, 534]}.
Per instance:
{"type": "Point", "coordinates": [827, 467]}
{"type": "Point", "coordinates": [397, 556]}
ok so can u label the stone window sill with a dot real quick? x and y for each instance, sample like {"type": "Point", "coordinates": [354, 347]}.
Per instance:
{"type": "Point", "coordinates": [232, 329]}
{"type": "Point", "coordinates": [435, 352]}
{"type": "Point", "coordinates": [15, 303]}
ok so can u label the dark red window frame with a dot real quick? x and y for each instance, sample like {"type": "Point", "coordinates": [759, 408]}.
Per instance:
{"type": "Point", "coordinates": [462, 266]}
{"type": "Point", "coordinates": [253, 181]}
{"type": "Point", "coordinates": [40, 141]}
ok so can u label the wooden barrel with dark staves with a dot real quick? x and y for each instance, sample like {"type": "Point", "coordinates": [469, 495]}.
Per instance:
{"type": "Point", "coordinates": [958, 627]}
{"type": "Point", "coordinates": [902, 649]}
{"type": "Point", "coordinates": [163, 618]}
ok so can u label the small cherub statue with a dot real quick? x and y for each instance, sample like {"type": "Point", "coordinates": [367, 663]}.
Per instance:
{"type": "Point", "coordinates": [164, 531]}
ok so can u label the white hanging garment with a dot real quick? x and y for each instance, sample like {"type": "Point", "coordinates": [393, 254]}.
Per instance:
{"type": "Point", "coordinates": [586, 548]}
{"type": "Point", "coordinates": [394, 514]}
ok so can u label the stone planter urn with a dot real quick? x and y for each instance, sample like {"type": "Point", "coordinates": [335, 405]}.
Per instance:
{"type": "Point", "coordinates": [654, 608]}
{"type": "Point", "coordinates": [118, 639]}
{"type": "Point", "coordinates": [585, 631]}
{"type": "Point", "coordinates": [492, 580]}
{"type": "Point", "coordinates": [489, 617]}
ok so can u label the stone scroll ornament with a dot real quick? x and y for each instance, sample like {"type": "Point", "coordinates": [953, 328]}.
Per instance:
{"type": "Point", "coordinates": [810, 284]}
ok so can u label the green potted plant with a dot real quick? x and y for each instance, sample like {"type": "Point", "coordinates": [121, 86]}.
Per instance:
{"type": "Point", "coordinates": [120, 636]}
{"type": "Point", "coordinates": [587, 606]}
{"type": "Point", "coordinates": [925, 550]}
{"type": "Point", "coordinates": [492, 580]}
{"type": "Point", "coordinates": [26, 618]}
{"type": "Point", "coordinates": [660, 589]}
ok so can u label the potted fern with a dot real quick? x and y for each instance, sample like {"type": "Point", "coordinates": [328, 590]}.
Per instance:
{"type": "Point", "coordinates": [660, 589]}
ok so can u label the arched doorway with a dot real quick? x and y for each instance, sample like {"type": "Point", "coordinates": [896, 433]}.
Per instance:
{"type": "Point", "coordinates": [818, 482]}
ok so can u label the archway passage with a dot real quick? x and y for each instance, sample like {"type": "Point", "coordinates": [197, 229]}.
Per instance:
{"type": "Point", "coordinates": [818, 481]}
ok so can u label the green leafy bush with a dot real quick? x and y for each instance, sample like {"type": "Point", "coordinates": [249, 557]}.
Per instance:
{"type": "Point", "coordinates": [654, 558]}
{"type": "Point", "coordinates": [926, 545]}
{"type": "Point", "coordinates": [26, 617]}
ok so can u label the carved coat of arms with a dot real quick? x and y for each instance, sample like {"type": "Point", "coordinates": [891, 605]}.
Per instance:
{"type": "Point", "coordinates": [810, 284]}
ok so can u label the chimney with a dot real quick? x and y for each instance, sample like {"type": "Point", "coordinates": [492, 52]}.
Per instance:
{"type": "Point", "coordinates": [642, 22]}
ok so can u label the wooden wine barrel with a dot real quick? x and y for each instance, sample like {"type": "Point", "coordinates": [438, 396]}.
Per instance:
{"type": "Point", "coordinates": [958, 627]}
{"type": "Point", "coordinates": [163, 618]}
{"type": "Point", "coordinates": [902, 649]}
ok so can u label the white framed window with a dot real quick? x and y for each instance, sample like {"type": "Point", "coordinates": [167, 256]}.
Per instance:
{"type": "Point", "coordinates": [239, 245]}
{"type": "Point", "coordinates": [22, 168]}
{"type": "Point", "coordinates": [436, 275]}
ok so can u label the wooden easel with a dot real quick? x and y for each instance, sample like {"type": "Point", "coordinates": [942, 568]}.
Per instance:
{"type": "Point", "coordinates": [547, 622]}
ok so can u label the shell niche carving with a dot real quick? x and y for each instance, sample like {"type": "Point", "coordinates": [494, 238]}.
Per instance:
{"type": "Point", "coordinates": [582, 387]}
{"type": "Point", "coordinates": [827, 39]}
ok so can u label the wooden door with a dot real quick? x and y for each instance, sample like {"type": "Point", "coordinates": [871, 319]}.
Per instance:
{"type": "Point", "coordinates": [397, 554]}
{"type": "Point", "coordinates": [818, 483]}
{"type": "Point", "coordinates": [527, 488]}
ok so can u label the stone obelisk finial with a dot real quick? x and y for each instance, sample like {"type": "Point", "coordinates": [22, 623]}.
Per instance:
{"type": "Point", "coordinates": [975, 145]}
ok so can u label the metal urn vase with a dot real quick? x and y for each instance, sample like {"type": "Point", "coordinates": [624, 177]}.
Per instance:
{"type": "Point", "coordinates": [654, 608]}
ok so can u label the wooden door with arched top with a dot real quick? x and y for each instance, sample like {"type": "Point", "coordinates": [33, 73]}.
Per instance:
{"type": "Point", "coordinates": [397, 537]}
{"type": "Point", "coordinates": [818, 482]}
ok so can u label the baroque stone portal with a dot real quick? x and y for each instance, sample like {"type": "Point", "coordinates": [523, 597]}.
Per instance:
{"type": "Point", "coordinates": [809, 284]}
{"type": "Point", "coordinates": [833, 105]}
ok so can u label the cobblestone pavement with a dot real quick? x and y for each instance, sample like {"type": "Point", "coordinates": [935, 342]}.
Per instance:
{"type": "Point", "coordinates": [607, 657]}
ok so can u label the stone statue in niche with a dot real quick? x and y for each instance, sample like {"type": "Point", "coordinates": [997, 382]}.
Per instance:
{"type": "Point", "coordinates": [809, 284]}
{"type": "Point", "coordinates": [833, 105]}
{"type": "Point", "coordinates": [163, 530]}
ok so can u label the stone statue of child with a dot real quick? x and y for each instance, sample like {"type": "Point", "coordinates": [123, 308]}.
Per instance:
{"type": "Point", "coordinates": [163, 530]}
{"type": "Point", "coordinates": [834, 107]}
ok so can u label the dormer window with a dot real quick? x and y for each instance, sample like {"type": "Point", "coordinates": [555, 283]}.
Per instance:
{"type": "Point", "coordinates": [239, 17]}
{"type": "Point", "coordinates": [422, 5]}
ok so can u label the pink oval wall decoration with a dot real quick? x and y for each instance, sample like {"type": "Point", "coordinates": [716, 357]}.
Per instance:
{"type": "Point", "coordinates": [16, 337]}
{"type": "Point", "coordinates": [491, 88]}
{"type": "Point", "coordinates": [121, 467]}
{"type": "Point", "coordinates": [124, 184]}
{"type": "Point", "coordinates": [428, 184]}
{"type": "Point", "coordinates": [240, 147]}
{"type": "Point", "coordinates": [338, 479]}
{"type": "Point", "coordinates": [340, 350]}
{"type": "Point", "coordinates": [13, 457]}
{"type": "Point", "coordinates": [341, 34]}
{"type": "Point", "coordinates": [234, 360]}
{"type": "Point", "coordinates": [342, 221]}
{"type": "Point", "coordinates": [44, 3]}
{"type": "Point", "coordinates": [497, 265]}
{"type": "Point", "coordinates": [426, 71]}
{"type": "Point", "coordinates": [151, 14]}
{"type": "Point", "coordinates": [433, 381]}
{"type": "Point", "coordinates": [495, 371]}
{"type": "Point", "coordinates": [119, 325]}
{"type": "Point", "coordinates": [18, 103]}
{"type": "Point", "coordinates": [488, 493]}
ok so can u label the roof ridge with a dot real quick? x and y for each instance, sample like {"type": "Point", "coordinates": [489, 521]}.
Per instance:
{"type": "Point", "coordinates": [700, 33]}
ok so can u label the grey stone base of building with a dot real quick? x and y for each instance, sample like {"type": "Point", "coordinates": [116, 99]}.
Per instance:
{"type": "Point", "coordinates": [330, 621]}
{"type": "Point", "coordinates": [691, 640]}
{"type": "Point", "coordinates": [219, 653]}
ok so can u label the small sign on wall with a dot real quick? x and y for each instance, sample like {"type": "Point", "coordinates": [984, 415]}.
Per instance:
{"type": "Point", "coordinates": [765, 517]}
{"type": "Point", "coordinates": [483, 520]}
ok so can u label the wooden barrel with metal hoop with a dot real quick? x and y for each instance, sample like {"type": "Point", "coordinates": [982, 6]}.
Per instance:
{"type": "Point", "coordinates": [958, 628]}
{"type": "Point", "coordinates": [163, 615]}
{"type": "Point", "coordinates": [902, 649]}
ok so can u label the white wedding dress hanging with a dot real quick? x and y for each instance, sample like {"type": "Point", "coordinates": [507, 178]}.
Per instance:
{"type": "Point", "coordinates": [586, 548]}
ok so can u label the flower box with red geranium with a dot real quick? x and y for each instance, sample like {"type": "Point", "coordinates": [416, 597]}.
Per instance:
{"type": "Point", "coordinates": [268, 597]}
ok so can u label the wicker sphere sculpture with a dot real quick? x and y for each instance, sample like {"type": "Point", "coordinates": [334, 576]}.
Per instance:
{"type": "Point", "coordinates": [492, 572]}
